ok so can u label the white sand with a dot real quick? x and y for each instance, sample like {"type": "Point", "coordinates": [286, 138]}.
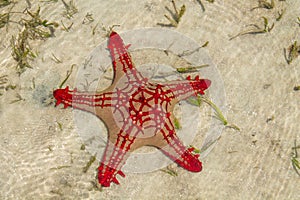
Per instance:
{"type": "Point", "coordinates": [40, 161]}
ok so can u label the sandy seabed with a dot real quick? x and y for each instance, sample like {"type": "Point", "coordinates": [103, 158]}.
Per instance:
{"type": "Point", "coordinates": [40, 150]}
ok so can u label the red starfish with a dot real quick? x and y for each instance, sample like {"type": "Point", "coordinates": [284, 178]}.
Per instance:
{"type": "Point", "coordinates": [137, 112]}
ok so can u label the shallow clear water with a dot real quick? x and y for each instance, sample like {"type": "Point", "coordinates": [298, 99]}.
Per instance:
{"type": "Point", "coordinates": [40, 147]}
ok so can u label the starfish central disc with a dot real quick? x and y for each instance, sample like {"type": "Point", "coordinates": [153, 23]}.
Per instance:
{"type": "Point", "coordinates": [141, 108]}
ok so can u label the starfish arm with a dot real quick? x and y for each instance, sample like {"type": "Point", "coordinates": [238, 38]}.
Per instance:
{"type": "Point", "coordinates": [114, 157]}
{"type": "Point", "coordinates": [171, 145]}
{"type": "Point", "coordinates": [86, 101]}
{"type": "Point", "coordinates": [121, 60]}
{"type": "Point", "coordinates": [187, 88]}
